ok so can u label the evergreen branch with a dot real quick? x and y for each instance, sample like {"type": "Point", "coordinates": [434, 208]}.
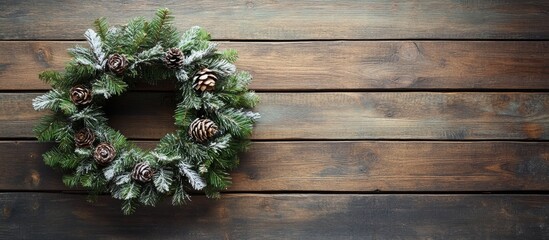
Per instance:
{"type": "Point", "coordinates": [162, 180]}
{"type": "Point", "coordinates": [92, 116]}
{"type": "Point", "coordinates": [114, 40]}
{"type": "Point", "coordinates": [135, 32]}
{"type": "Point", "coordinates": [86, 167]}
{"type": "Point", "coordinates": [197, 152]}
{"type": "Point", "coordinates": [179, 197]}
{"type": "Point", "coordinates": [82, 56]}
{"type": "Point", "coordinates": [161, 30]}
{"type": "Point", "coordinates": [110, 171]}
{"type": "Point", "coordinates": [47, 101]}
{"type": "Point", "coordinates": [183, 115]}
{"type": "Point", "coordinates": [77, 73]}
{"type": "Point", "coordinates": [192, 38]}
{"type": "Point", "coordinates": [212, 193]}
{"type": "Point", "coordinates": [153, 54]}
{"type": "Point", "coordinates": [51, 77]}
{"type": "Point", "coordinates": [127, 191]}
{"type": "Point", "coordinates": [219, 179]}
{"type": "Point", "coordinates": [102, 27]}
{"type": "Point", "coordinates": [54, 100]}
{"type": "Point", "coordinates": [236, 83]}
{"type": "Point", "coordinates": [129, 206]}
{"type": "Point", "coordinates": [108, 86]}
{"type": "Point", "coordinates": [182, 75]}
{"type": "Point", "coordinates": [60, 159]}
{"type": "Point", "coordinates": [65, 137]}
{"type": "Point", "coordinates": [194, 178]}
{"type": "Point", "coordinates": [169, 144]}
{"type": "Point", "coordinates": [190, 99]}
{"type": "Point", "coordinates": [220, 143]}
{"type": "Point", "coordinates": [236, 122]}
{"type": "Point", "coordinates": [163, 158]}
{"type": "Point", "coordinates": [240, 100]}
{"type": "Point", "coordinates": [107, 134]}
{"type": "Point", "coordinates": [149, 196]}
{"type": "Point", "coordinates": [220, 66]}
{"type": "Point", "coordinates": [71, 180]}
{"type": "Point", "coordinates": [97, 48]}
{"type": "Point", "coordinates": [211, 102]}
{"type": "Point", "coordinates": [199, 54]}
{"type": "Point", "coordinates": [49, 126]}
{"type": "Point", "coordinates": [230, 55]}
{"type": "Point", "coordinates": [122, 179]}
{"type": "Point", "coordinates": [158, 23]}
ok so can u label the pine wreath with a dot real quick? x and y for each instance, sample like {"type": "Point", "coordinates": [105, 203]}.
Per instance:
{"type": "Point", "coordinates": [212, 115]}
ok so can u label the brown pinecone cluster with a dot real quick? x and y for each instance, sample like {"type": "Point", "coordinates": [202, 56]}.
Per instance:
{"type": "Point", "coordinates": [142, 172]}
{"type": "Point", "coordinates": [204, 80]}
{"type": "Point", "coordinates": [80, 95]}
{"type": "Point", "coordinates": [202, 129]}
{"type": "Point", "coordinates": [117, 63]}
{"type": "Point", "coordinates": [104, 153]}
{"type": "Point", "coordinates": [174, 58]}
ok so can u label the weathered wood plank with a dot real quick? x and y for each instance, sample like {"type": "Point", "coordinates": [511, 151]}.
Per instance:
{"type": "Point", "coordinates": [373, 115]}
{"type": "Point", "coordinates": [337, 65]}
{"type": "Point", "coordinates": [281, 216]}
{"type": "Point", "coordinates": [340, 166]}
{"type": "Point", "coordinates": [287, 19]}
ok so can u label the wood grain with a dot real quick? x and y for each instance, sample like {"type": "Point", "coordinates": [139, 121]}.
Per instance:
{"type": "Point", "coordinates": [281, 20]}
{"type": "Point", "coordinates": [310, 66]}
{"type": "Point", "coordinates": [340, 166]}
{"type": "Point", "coordinates": [280, 216]}
{"type": "Point", "coordinates": [374, 115]}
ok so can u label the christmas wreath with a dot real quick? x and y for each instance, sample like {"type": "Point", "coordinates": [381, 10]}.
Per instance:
{"type": "Point", "coordinates": [212, 114]}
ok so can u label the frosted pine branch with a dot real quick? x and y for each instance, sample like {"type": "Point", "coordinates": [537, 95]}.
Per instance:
{"type": "Point", "coordinates": [96, 46]}
{"type": "Point", "coordinates": [194, 178]}
{"type": "Point", "coordinates": [197, 55]}
{"type": "Point", "coordinates": [162, 180]}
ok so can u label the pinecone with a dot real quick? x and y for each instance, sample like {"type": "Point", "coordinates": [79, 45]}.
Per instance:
{"type": "Point", "coordinates": [142, 172]}
{"type": "Point", "coordinates": [174, 58]}
{"type": "Point", "coordinates": [84, 138]}
{"type": "Point", "coordinates": [80, 95]}
{"type": "Point", "coordinates": [202, 129]}
{"type": "Point", "coordinates": [204, 80]}
{"type": "Point", "coordinates": [104, 153]}
{"type": "Point", "coordinates": [117, 63]}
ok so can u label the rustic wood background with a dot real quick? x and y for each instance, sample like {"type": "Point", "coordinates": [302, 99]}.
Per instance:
{"type": "Point", "coordinates": [381, 120]}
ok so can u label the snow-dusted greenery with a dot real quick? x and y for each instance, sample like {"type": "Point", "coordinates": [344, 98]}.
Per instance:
{"type": "Point", "coordinates": [180, 164]}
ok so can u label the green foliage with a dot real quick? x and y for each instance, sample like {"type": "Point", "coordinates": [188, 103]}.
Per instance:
{"type": "Point", "coordinates": [91, 116]}
{"type": "Point", "coordinates": [230, 55]}
{"type": "Point", "coordinates": [54, 100]}
{"type": "Point", "coordinates": [53, 78]}
{"type": "Point", "coordinates": [163, 180]}
{"type": "Point", "coordinates": [49, 128]}
{"type": "Point", "coordinates": [58, 158]}
{"type": "Point", "coordinates": [108, 86]}
{"type": "Point", "coordinates": [235, 122]}
{"type": "Point", "coordinates": [193, 39]}
{"type": "Point", "coordinates": [129, 206]}
{"type": "Point", "coordinates": [180, 196]}
{"type": "Point", "coordinates": [76, 73]}
{"type": "Point", "coordinates": [161, 30]}
{"type": "Point", "coordinates": [102, 28]}
{"type": "Point", "coordinates": [180, 164]}
{"type": "Point", "coordinates": [149, 196]}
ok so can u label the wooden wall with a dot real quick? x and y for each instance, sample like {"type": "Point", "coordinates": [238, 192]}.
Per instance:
{"type": "Point", "coordinates": [381, 120]}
